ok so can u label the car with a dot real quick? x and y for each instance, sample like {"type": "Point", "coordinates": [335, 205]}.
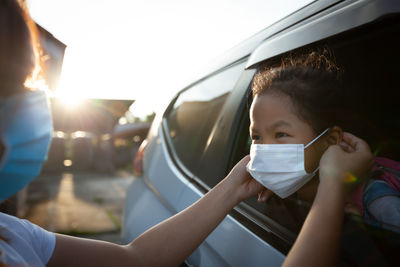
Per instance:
{"type": "Point", "coordinates": [203, 132]}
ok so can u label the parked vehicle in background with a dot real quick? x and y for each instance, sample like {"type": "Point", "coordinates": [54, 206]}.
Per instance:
{"type": "Point", "coordinates": [203, 132]}
{"type": "Point", "coordinates": [56, 155]}
{"type": "Point", "coordinates": [127, 139]}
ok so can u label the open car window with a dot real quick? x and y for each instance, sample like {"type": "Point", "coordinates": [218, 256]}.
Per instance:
{"type": "Point", "coordinates": [369, 56]}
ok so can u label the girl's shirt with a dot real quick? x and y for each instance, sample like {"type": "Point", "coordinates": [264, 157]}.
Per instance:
{"type": "Point", "coordinates": [25, 244]}
{"type": "Point", "coordinates": [378, 201]}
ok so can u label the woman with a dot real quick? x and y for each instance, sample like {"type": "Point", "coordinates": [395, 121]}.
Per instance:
{"type": "Point", "coordinates": [170, 242]}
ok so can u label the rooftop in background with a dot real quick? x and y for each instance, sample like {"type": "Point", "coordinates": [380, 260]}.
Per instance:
{"type": "Point", "coordinates": [98, 116]}
{"type": "Point", "coordinates": [53, 50]}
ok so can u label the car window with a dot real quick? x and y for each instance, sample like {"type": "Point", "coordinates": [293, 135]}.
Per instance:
{"type": "Point", "coordinates": [369, 59]}
{"type": "Point", "coordinates": [194, 113]}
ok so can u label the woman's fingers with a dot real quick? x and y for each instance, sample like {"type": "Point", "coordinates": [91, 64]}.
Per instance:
{"type": "Point", "coordinates": [239, 170]}
{"type": "Point", "coordinates": [264, 195]}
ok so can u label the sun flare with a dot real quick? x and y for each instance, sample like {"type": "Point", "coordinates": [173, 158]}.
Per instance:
{"type": "Point", "coordinates": [69, 100]}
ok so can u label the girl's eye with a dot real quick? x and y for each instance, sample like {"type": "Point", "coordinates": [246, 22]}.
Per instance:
{"type": "Point", "coordinates": [255, 137]}
{"type": "Point", "coordinates": [280, 135]}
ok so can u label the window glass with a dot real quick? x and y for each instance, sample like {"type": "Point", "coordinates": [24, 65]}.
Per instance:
{"type": "Point", "coordinates": [194, 113]}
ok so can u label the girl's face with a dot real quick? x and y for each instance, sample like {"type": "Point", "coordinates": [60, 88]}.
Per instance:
{"type": "Point", "coordinates": [273, 120]}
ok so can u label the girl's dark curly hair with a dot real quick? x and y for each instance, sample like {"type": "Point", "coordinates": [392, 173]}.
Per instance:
{"type": "Point", "coordinates": [312, 81]}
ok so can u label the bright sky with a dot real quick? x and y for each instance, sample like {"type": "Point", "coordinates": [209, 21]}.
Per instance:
{"type": "Point", "coordinates": [147, 49]}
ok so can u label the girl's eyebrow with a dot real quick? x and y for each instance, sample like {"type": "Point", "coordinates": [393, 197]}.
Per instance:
{"type": "Point", "coordinates": [280, 124]}
{"type": "Point", "coordinates": [277, 124]}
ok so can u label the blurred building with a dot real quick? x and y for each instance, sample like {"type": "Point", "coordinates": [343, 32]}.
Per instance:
{"type": "Point", "coordinates": [84, 134]}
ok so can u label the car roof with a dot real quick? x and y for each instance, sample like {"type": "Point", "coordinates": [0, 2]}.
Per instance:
{"type": "Point", "coordinates": [316, 21]}
{"type": "Point", "coordinates": [343, 17]}
{"type": "Point", "coordinates": [246, 47]}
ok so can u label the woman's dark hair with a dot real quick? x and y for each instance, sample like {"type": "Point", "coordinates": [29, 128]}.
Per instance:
{"type": "Point", "coordinates": [20, 54]}
{"type": "Point", "coordinates": [312, 81]}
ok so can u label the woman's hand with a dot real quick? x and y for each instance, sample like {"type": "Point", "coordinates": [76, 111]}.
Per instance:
{"type": "Point", "coordinates": [242, 185]}
{"type": "Point", "coordinates": [345, 165]}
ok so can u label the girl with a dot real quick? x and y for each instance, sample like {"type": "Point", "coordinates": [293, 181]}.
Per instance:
{"type": "Point", "coordinates": [302, 102]}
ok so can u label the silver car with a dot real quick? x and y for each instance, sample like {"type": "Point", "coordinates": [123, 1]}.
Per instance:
{"type": "Point", "coordinates": [203, 132]}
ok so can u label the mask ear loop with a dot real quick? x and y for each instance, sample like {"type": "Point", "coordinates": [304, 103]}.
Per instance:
{"type": "Point", "coordinates": [316, 138]}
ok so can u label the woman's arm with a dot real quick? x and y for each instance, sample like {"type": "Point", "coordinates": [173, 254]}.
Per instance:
{"type": "Point", "coordinates": [170, 242]}
{"type": "Point", "coordinates": [341, 169]}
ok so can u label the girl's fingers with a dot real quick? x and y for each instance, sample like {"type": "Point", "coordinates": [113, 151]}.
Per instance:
{"type": "Point", "coordinates": [354, 142]}
{"type": "Point", "coordinates": [346, 147]}
{"type": "Point", "coordinates": [350, 139]}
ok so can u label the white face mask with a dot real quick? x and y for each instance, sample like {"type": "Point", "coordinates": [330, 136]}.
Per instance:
{"type": "Point", "coordinates": [280, 167]}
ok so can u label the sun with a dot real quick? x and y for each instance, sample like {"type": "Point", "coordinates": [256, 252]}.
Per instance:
{"type": "Point", "coordinates": [68, 99]}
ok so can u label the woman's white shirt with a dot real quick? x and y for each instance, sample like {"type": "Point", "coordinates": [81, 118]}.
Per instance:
{"type": "Point", "coordinates": [26, 244]}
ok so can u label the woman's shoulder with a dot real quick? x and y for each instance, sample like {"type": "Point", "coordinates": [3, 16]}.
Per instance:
{"type": "Point", "coordinates": [8, 221]}
{"type": "Point", "coordinates": [28, 240]}
{"type": "Point", "coordinates": [14, 224]}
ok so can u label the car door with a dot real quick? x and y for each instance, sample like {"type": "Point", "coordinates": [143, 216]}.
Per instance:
{"type": "Point", "coordinates": [198, 129]}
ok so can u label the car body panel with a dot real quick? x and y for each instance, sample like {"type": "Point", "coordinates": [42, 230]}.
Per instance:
{"type": "Point", "coordinates": [137, 218]}
{"type": "Point", "coordinates": [228, 240]}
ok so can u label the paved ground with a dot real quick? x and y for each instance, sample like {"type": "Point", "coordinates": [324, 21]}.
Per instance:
{"type": "Point", "coordinates": [81, 204]}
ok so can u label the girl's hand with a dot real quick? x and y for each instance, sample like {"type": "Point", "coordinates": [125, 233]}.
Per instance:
{"type": "Point", "coordinates": [345, 165]}
{"type": "Point", "coordinates": [242, 184]}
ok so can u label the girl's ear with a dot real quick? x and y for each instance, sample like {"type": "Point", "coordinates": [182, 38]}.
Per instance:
{"type": "Point", "coordinates": [334, 135]}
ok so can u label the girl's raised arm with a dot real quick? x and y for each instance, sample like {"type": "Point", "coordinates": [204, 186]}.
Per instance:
{"type": "Point", "coordinates": [341, 169]}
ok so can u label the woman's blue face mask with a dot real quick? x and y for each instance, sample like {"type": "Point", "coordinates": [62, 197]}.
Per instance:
{"type": "Point", "coordinates": [25, 133]}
